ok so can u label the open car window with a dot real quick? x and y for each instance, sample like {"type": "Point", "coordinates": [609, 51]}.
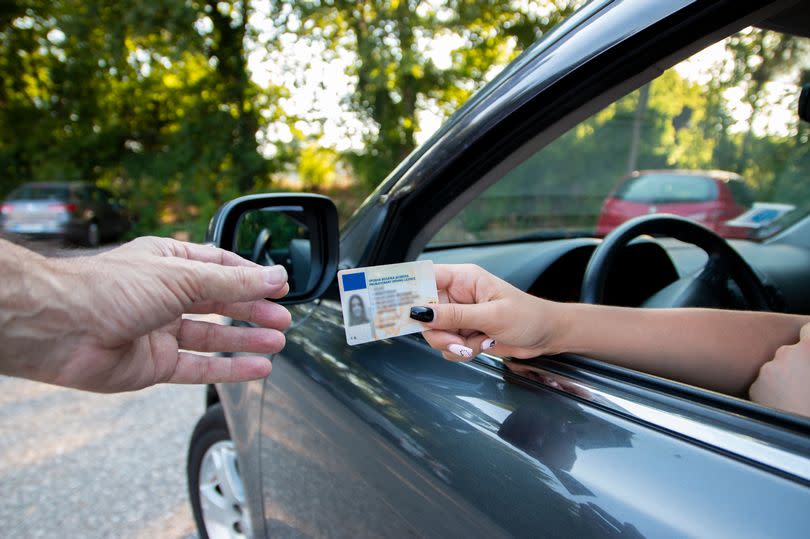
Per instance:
{"type": "Point", "coordinates": [715, 138]}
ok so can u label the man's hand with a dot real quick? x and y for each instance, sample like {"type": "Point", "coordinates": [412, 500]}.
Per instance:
{"type": "Point", "coordinates": [784, 382]}
{"type": "Point", "coordinates": [113, 322]}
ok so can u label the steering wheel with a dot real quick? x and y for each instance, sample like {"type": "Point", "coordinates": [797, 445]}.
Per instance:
{"type": "Point", "coordinates": [261, 248]}
{"type": "Point", "coordinates": [708, 288]}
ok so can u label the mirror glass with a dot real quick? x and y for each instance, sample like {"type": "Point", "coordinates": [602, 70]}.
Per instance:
{"type": "Point", "coordinates": [278, 235]}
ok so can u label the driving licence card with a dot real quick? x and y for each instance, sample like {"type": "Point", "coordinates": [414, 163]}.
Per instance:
{"type": "Point", "coordinates": [377, 300]}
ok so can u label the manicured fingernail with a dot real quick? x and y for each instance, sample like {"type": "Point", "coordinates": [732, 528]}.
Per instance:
{"type": "Point", "coordinates": [460, 350]}
{"type": "Point", "coordinates": [487, 344]}
{"type": "Point", "coordinates": [422, 314]}
{"type": "Point", "coordinates": [275, 275]}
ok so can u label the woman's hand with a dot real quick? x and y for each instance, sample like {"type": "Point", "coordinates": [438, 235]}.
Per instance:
{"type": "Point", "coordinates": [720, 350]}
{"type": "Point", "coordinates": [479, 311]}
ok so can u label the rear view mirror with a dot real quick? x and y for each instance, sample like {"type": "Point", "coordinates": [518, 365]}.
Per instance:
{"type": "Point", "coordinates": [297, 231]}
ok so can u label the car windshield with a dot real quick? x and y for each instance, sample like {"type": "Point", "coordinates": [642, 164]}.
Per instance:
{"type": "Point", "coordinates": [660, 188]}
{"type": "Point", "coordinates": [718, 135]}
{"type": "Point", "coordinates": [40, 192]}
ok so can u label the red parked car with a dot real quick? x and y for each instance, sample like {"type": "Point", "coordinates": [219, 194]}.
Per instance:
{"type": "Point", "coordinates": [710, 197]}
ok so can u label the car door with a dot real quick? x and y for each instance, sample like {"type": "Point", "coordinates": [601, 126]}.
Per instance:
{"type": "Point", "coordinates": [389, 440]}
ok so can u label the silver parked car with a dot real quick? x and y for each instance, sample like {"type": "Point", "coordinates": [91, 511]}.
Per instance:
{"type": "Point", "coordinates": [78, 212]}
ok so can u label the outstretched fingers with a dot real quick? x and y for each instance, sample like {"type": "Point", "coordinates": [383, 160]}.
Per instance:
{"type": "Point", "coordinates": [198, 369]}
{"type": "Point", "coordinates": [209, 337]}
{"type": "Point", "coordinates": [191, 251]}
{"type": "Point", "coordinates": [261, 312]}
{"type": "Point", "coordinates": [232, 284]}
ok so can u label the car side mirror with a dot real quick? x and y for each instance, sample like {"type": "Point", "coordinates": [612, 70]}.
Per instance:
{"type": "Point", "coordinates": [298, 231]}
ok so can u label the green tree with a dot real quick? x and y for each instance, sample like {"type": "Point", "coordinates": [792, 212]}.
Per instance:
{"type": "Point", "coordinates": [152, 99]}
{"type": "Point", "coordinates": [395, 77]}
{"type": "Point", "coordinates": [317, 167]}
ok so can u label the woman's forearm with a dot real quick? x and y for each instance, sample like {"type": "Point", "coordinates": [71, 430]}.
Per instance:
{"type": "Point", "coordinates": [720, 350]}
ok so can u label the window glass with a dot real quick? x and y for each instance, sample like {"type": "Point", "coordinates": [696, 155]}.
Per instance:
{"type": "Point", "coordinates": [662, 187]}
{"type": "Point", "coordinates": [40, 192]}
{"type": "Point", "coordinates": [716, 138]}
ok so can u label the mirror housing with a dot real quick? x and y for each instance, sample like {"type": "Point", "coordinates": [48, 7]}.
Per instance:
{"type": "Point", "coordinates": [315, 214]}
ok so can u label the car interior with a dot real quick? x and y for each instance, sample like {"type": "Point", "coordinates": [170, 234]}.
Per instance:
{"type": "Point", "coordinates": [535, 225]}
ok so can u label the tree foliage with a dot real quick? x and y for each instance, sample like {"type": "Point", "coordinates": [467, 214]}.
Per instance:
{"type": "Point", "coordinates": [396, 76]}
{"type": "Point", "coordinates": [152, 99]}
{"type": "Point", "coordinates": [156, 100]}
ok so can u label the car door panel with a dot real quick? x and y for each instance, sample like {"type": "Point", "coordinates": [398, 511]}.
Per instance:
{"type": "Point", "coordinates": [388, 439]}
{"type": "Point", "coordinates": [242, 405]}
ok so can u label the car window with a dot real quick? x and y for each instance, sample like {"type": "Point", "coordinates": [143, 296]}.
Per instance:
{"type": "Point", "coordinates": [662, 187]}
{"type": "Point", "coordinates": [728, 112]}
{"type": "Point", "coordinates": [40, 192]}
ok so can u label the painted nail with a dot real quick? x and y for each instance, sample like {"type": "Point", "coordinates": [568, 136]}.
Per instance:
{"type": "Point", "coordinates": [422, 314]}
{"type": "Point", "coordinates": [275, 275]}
{"type": "Point", "coordinates": [460, 350]}
{"type": "Point", "coordinates": [487, 344]}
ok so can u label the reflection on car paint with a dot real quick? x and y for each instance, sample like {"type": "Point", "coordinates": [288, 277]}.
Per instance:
{"type": "Point", "coordinates": [401, 440]}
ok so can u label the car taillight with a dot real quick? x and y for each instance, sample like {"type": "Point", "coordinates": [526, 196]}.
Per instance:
{"type": "Point", "coordinates": [5, 209]}
{"type": "Point", "coordinates": [67, 208]}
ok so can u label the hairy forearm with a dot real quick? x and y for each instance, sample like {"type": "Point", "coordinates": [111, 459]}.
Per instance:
{"type": "Point", "coordinates": [720, 350]}
{"type": "Point", "coordinates": [35, 312]}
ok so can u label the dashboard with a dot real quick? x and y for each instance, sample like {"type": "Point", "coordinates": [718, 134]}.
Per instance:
{"type": "Point", "coordinates": [554, 269]}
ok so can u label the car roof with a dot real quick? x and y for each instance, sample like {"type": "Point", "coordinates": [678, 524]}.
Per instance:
{"type": "Point", "coordinates": [793, 20]}
{"type": "Point", "coordinates": [722, 175]}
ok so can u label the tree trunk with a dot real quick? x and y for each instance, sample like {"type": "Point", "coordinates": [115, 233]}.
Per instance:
{"type": "Point", "coordinates": [638, 123]}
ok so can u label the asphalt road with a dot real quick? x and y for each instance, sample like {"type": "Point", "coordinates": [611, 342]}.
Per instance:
{"type": "Point", "coordinates": [76, 464]}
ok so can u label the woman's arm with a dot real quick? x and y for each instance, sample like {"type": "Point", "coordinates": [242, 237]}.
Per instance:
{"type": "Point", "coordinates": [720, 350]}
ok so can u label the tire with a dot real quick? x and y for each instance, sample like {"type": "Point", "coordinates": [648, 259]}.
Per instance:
{"type": "Point", "coordinates": [220, 509]}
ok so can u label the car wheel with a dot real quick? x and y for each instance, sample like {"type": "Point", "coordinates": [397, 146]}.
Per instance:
{"type": "Point", "coordinates": [93, 235]}
{"type": "Point", "coordinates": [215, 485]}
